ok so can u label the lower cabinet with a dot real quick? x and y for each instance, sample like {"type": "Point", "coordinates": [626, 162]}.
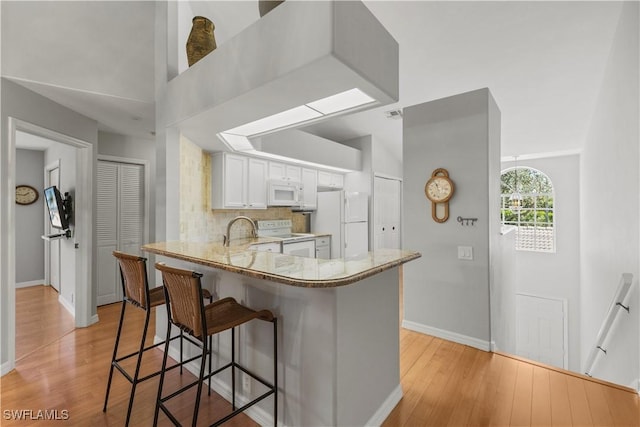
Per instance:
{"type": "Point", "coordinates": [323, 247]}
{"type": "Point", "coordinates": [266, 247]}
{"type": "Point", "coordinates": [305, 248]}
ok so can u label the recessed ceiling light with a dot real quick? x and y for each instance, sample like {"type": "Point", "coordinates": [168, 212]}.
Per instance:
{"type": "Point", "coordinates": [333, 104]}
{"type": "Point", "coordinates": [341, 101]}
{"type": "Point", "coordinates": [276, 121]}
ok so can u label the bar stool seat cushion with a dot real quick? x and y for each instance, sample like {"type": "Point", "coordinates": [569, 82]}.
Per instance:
{"type": "Point", "coordinates": [227, 313]}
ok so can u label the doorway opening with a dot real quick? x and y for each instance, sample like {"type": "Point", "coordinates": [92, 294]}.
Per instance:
{"type": "Point", "coordinates": [79, 260]}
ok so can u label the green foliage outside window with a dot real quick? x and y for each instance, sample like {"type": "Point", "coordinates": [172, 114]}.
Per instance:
{"type": "Point", "coordinates": [535, 219]}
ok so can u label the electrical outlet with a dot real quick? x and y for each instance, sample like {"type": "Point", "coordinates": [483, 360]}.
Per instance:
{"type": "Point", "coordinates": [246, 382]}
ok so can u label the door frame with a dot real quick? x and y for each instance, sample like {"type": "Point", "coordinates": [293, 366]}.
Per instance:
{"type": "Point", "coordinates": [84, 212]}
{"type": "Point", "coordinates": [47, 247]}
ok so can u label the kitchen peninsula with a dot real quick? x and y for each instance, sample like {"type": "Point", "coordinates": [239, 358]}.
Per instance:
{"type": "Point", "coordinates": [339, 338]}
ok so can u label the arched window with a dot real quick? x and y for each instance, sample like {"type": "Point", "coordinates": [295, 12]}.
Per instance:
{"type": "Point", "coordinates": [527, 202]}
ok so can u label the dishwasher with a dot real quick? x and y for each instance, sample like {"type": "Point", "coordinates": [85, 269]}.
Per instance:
{"type": "Point", "coordinates": [305, 248]}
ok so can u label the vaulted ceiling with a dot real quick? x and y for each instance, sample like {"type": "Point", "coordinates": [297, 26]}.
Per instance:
{"type": "Point", "coordinates": [543, 61]}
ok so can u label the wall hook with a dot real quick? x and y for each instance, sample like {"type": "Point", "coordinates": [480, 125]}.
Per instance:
{"type": "Point", "coordinates": [466, 221]}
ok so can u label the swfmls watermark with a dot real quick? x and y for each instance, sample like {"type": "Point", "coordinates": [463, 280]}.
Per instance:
{"type": "Point", "coordinates": [36, 414]}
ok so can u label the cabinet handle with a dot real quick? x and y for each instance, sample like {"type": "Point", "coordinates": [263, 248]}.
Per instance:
{"type": "Point", "coordinates": [382, 228]}
{"type": "Point", "coordinates": [393, 228]}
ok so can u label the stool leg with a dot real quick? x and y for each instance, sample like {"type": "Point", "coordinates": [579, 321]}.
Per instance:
{"type": "Point", "coordinates": [210, 353]}
{"type": "Point", "coordinates": [138, 363]}
{"type": "Point", "coordinates": [115, 355]}
{"type": "Point", "coordinates": [233, 369]}
{"type": "Point", "coordinates": [181, 339]}
{"type": "Point", "coordinates": [200, 380]}
{"type": "Point", "coordinates": [275, 372]}
{"type": "Point", "coordinates": [210, 357]}
{"type": "Point", "coordinates": [162, 371]}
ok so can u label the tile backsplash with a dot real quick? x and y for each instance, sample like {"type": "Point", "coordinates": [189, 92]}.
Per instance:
{"type": "Point", "coordinates": [198, 222]}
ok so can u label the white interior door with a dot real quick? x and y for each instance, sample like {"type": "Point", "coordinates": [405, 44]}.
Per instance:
{"type": "Point", "coordinates": [387, 216]}
{"type": "Point", "coordinates": [120, 222]}
{"type": "Point", "coordinates": [540, 330]}
{"type": "Point", "coordinates": [53, 178]}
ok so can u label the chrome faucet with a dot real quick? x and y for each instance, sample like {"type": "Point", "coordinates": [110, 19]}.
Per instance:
{"type": "Point", "coordinates": [227, 237]}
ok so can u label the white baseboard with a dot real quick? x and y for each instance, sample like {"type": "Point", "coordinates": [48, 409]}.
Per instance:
{"type": "Point", "coordinates": [447, 335]}
{"type": "Point", "coordinates": [94, 319]}
{"type": "Point", "coordinates": [66, 304]}
{"type": "Point", "coordinates": [5, 368]}
{"type": "Point", "coordinates": [385, 409]}
{"type": "Point", "coordinates": [29, 283]}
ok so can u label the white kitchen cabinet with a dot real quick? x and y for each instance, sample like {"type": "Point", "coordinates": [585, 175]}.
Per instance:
{"type": "Point", "coordinates": [323, 247]}
{"type": "Point", "coordinates": [238, 182]}
{"type": "Point", "coordinates": [386, 213]}
{"type": "Point", "coordinates": [274, 247]}
{"type": "Point", "coordinates": [285, 172]}
{"type": "Point", "coordinates": [257, 185]}
{"type": "Point", "coordinates": [309, 189]}
{"type": "Point", "coordinates": [330, 180]}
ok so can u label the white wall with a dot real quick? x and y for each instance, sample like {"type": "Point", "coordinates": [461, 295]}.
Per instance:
{"type": "Point", "coordinates": [387, 160]}
{"type": "Point", "coordinates": [22, 104]}
{"type": "Point", "coordinates": [557, 275]}
{"type": "Point", "coordinates": [503, 295]}
{"type": "Point", "coordinates": [610, 204]}
{"type": "Point", "coordinates": [30, 219]}
{"type": "Point", "coordinates": [362, 179]}
{"type": "Point", "coordinates": [443, 295]}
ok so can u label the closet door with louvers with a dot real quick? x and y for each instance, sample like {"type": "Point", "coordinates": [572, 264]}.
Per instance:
{"type": "Point", "coordinates": [120, 222]}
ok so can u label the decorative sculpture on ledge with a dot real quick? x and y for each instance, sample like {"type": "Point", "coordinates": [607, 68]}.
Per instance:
{"type": "Point", "coordinates": [265, 6]}
{"type": "Point", "coordinates": [201, 40]}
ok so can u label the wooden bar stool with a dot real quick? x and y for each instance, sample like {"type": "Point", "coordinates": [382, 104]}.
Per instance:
{"type": "Point", "coordinates": [135, 289]}
{"type": "Point", "coordinates": [186, 310]}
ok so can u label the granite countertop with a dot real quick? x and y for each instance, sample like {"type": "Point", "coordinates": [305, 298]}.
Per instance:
{"type": "Point", "coordinates": [286, 269]}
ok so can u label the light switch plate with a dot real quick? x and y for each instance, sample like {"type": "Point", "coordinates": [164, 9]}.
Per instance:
{"type": "Point", "coordinates": [465, 253]}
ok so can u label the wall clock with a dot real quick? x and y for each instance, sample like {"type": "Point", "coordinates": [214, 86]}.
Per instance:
{"type": "Point", "coordinates": [26, 194]}
{"type": "Point", "coordinates": [439, 189]}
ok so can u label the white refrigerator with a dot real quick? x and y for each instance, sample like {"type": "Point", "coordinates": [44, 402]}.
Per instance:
{"type": "Point", "coordinates": [346, 216]}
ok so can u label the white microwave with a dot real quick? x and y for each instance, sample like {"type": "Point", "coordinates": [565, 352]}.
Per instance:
{"type": "Point", "coordinates": [284, 193]}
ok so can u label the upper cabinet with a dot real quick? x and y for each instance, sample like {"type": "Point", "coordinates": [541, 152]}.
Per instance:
{"type": "Point", "coordinates": [285, 172]}
{"type": "Point", "coordinates": [330, 181]}
{"type": "Point", "coordinates": [241, 182]}
{"type": "Point", "coordinates": [309, 189]}
{"type": "Point", "coordinates": [238, 182]}
{"type": "Point", "coordinates": [257, 183]}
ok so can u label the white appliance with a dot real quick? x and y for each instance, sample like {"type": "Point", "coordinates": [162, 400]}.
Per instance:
{"type": "Point", "coordinates": [284, 193]}
{"type": "Point", "coordinates": [298, 244]}
{"type": "Point", "coordinates": [304, 248]}
{"type": "Point", "coordinates": [345, 216]}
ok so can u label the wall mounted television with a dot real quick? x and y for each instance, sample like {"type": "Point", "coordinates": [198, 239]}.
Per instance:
{"type": "Point", "coordinates": [58, 212]}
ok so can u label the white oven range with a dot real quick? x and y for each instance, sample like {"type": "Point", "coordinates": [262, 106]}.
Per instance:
{"type": "Point", "coordinates": [298, 244]}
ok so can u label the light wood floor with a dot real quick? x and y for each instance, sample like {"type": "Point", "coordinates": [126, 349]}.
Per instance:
{"type": "Point", "coordinates": [448, 384]}
{"type": "Point", "coordinates": [444, 384]}
{"type": "Point", "coordinates": [41, 319]}
{"type": "Point", "coordinates": [71, 373]}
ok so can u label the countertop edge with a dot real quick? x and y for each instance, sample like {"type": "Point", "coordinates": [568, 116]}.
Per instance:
{"type": "Point", "coordinates": [302, 283]}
